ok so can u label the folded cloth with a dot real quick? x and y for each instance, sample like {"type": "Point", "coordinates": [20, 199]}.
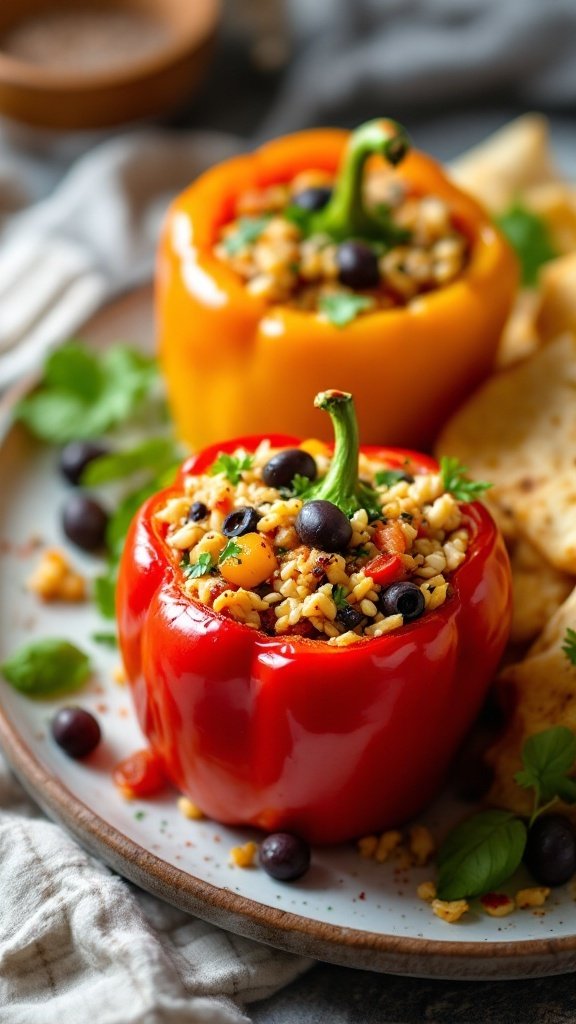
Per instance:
{"type": "Point", "coordinates": [79, 945]}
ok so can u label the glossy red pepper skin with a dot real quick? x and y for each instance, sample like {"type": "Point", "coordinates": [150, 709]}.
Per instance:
{"type": "Point", "coordinates": [293, 734]}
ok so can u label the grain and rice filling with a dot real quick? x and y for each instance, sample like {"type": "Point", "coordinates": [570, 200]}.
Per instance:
{"type": "Point", "coordinates": [269, 579]}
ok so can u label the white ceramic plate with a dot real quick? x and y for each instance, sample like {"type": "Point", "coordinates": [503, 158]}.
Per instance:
{"type": "Point", "coordinates": [347, 910]}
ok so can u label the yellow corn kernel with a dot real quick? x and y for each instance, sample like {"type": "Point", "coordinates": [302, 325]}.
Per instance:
{"type": "Point", "coordinates": [535, 896]}
{"type": "Point", "coordinates": [254, 562]}
{"type": "Point", "coordinates": [367, 846]}
{"type": "Point", "coordinates": [243, 856]}
{"type": "Point", "coordinates": [189, 810]}
{"type": "Point", "coordinates": [450, 910]}
{"type": "Point", "coordinates": [421, 844]}
{"type": "Point", "coordinates": [426, 891]}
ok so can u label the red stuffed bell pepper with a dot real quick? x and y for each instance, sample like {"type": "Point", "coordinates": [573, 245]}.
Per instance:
{"type": "Point", "coordinates": [340, 716]}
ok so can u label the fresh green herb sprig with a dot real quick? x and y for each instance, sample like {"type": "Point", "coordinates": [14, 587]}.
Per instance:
{"type": "Point", "coordinates": [339, 595]}
{"type": "Point", "coordinates": [248, 230]}
{"type": "Point", "coordinates": [484, 851]}
{"type": "Point", "coordinates": [84, 394]}
{"type": "Point", "coordinates": [341, 308]}
{"type": "Point", "coordinates": [232, 466]}
{"type": "Point", "coordinates": [389, 477]}
{"type": "Point", "coordinates": [206, 564]}
{"type": "Point", "coordinates": [569, 645]}
{"type": "Point", "coordinates": [456, 481]}
{"type": "Point", "coordinates": [155, 455]}
{"type": "Point", "coordinates": [529, 236]}
{"type": "Point", "coordinates": [46, 667]}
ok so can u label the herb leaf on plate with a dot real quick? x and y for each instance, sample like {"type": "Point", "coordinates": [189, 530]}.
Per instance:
{"type": "Point", "coordinates": [479, 854]}
{"type": "Point", "coordinates": [547, 758]}
{"type": "Point", "coordinates": [45, 667]}
{"type": "Point", "coordinates": [155, 454]}
{"type": "Point", "coordinates": [529, 236]}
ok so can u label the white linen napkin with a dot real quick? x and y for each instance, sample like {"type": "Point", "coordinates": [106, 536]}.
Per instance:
{"type": "Point", "coordinates": [78, 944]}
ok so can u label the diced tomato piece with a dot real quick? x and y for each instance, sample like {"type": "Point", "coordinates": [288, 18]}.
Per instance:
{"type": "Point", "coordinates": [390, 538]}
{"type": "Point", "coordinates": [385, 569]}
{"type": "Point", "coordinates": [140, 774]}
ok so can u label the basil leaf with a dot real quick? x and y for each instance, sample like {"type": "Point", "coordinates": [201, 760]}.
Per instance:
{"type": "Point", "coordinates": [155, 454]}
{"type": "Point", "coordinates": [479, 854]}
{"type": "Point", "coordinates": [46, 667]}
{"type": "Point", "coordinates": [104, 591]}
{"type": "Point", "coordinates": [569, 645]}
{"type": "Point", "coordinates": [341, 308]}
{"type": "Point", "coordinates": [529, 236]}
{"type": "Point", "coordinates": [547, 758]}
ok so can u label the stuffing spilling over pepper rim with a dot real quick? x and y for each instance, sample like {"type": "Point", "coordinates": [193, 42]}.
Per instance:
{"type": "Point", "coordinates": [301, 541]}
{"type": "Point", "coordinates": [349, 244]}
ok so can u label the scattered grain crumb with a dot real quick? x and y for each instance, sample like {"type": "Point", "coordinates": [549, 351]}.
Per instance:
{"type": "Point", "coordinates": [119, 675]}
{"type": "Point", "coordinates": [450, 910]}
{"type": "Point", "coordinates": [367, 846]}
{"type": "Point", "coordinates": [421, 844]}
{"type": "Point", "coordinates": [387, 844]}
{"type": "Point", "coordinates": [189, 810]}
{"type": "Point", "coordinates": [535, 896]}
{"type": "Point", "coordinates": [427, 891]}
{"type": "Point", "coordinates": [54, 579]}
{"type": "Point", "coordinates": [243, 856]}
{"type": "Point", "coordinates": [497, 904]}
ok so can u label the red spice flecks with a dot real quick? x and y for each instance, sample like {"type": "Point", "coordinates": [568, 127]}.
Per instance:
{"type": "Point", "coordinates": [495, 899]}
{"type": "Point", "coordinates": [362, 896]}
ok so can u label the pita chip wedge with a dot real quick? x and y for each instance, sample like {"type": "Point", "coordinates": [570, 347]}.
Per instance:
{"type": "Point", "coordinates": [538, 589]}
{"type": "Point", "coordinates": [539, 692]}
{"type": "Point", "coordinates": [519, 432]}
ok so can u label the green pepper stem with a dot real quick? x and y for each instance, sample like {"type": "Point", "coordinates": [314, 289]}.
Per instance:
{"type": "Point", "coordinates": [345, 215]}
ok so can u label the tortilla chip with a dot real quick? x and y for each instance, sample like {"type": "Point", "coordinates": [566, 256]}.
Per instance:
{"type": "Point", "coordinates": [520, 338]}
{"type": "Point", "coordinates": [519, 432]}
{"type": "Point", "coordinates": [511, 160]}
{"type": "Point", "coordinates": [539, 590]}
{"type": "Point", "coordinates": [557, 311]}
{"type": "Point", "coordinates": [540, 693]}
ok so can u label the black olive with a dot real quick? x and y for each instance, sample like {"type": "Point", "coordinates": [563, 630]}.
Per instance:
{"type": "Point", "coordinates": [550, 853]}
{"type": "Point", "coordinates": [357, 265]}
{"type": "Point", "coordinates": [348, 616]}
{"type": "Point", "coordinates": [321, 524]}
{"type": "Point", "coordinates": [76, 455]}
{"type": "Point", "coordinates": [197, 512]}
{"type": "Point", "coordinates": [285, 856]}
{"type": "Point", "coordinates": [76, 731]}
{"type": "Point", "coordinates": [240, 521]}
{"type": "Point", "coordinates": [281, 469]}
{"type": "Point", "coordinates": [312, 198]}
{"type": "Point", "coordinates": [84, 521]}
{"type": "Point", "coordinates": [404, 599]}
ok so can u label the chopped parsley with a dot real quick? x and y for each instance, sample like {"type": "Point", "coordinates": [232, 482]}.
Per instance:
{"type": "Point", "coordinates": [456, 482]}
{"type": "Point", "coordinates": [528, 234]}
{"type": "Point", "coordinates": [248, 230]}
{"type": "Point", "coordinates": [204, 565]}
{"type": "Point", "coordinates": [341, 308]}
{"type": "Point", "coordinates": [339, 595]}
{"type": "Point", "coordinates": [389, 477]}
{"type": "Point", "coordinates": [569, 645]}
{"type": "Point", "coordinates": [232, 550]}
{"type": "Point", "coordinates": [232, 466]}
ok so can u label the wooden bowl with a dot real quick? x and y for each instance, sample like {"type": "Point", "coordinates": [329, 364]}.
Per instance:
{"type": "Point", "coordinates": [65, 65]}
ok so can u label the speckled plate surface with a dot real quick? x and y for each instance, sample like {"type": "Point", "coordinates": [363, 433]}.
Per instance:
{"type": "Point", "coordinates": [346, 910]}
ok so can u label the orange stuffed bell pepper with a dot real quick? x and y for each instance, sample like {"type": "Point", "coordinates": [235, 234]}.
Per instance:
{"type": "Point", "coordinates": [308, 638]}
{"type": "Point", "coordinates": [328, 252]}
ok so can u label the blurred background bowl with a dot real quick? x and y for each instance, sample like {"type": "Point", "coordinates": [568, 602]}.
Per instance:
{"type": "Point", "coordinates": [98, 63]}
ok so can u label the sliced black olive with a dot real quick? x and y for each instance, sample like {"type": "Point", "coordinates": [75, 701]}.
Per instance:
{"type": "Point", "coordinates": [240, 521]}
{"type": "Point", "coordinates": [281, 469]}
{"type": "Point", "coordinates": [314, 198]}
{"type": "Point", "coordinates": [84, 521]}
{"type": "Point", "coordinates": [550, 853]}
{"type": "Point", "coordinates": [76, 731]}
{"type": "Point", "coordinates": [76, 455]}
{"type": "Point", "coordinates": [349, 617]}
{"type": "Point", "coordinates": [357, 265]}
{"type": "Point", "coordinates": [285, 856]}
{"type": "Point", "coordinates": [321, 524]}
{"type": "Point", "coordinates": [404, 599]}
{"type": "Point", "coordinates": [198, 511]}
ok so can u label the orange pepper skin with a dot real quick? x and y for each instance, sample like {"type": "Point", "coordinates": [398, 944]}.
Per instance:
{"type": "Point", "coordinates": [235, 364]}
{"type": "Point", "coordinates": [289, 733]}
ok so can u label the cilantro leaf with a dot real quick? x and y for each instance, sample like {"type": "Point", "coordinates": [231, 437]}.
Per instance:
{"type": "Point", "coordinates": [232, 550]}
{"type": "Point", "coordinates": [569, 645]}
{"type": "Point", "coordinates": [547, 758]}
{"type": "Point", "coordinates": [528, 234]}
{"type": "Point", "coordinates": [232, 466]}
{"type": "Point", "coordinates": [457, 483]}
{"type": "Point", "coordinates": [299, 485]}
{"type": "Point", "coordinates": [339, 595]}
{"type": "Point", "coordinates": [248, 230]}
{"type": "Point", "coordinates": [479, 854]}
{"type": "Point", "coordinates": [45, 667]}
{"type": "Point", "coordinates": [204, 565]}
{"type": "Point", "coordinates": [84, 393]}
{"type": "Point", "coordinates": [156, 454]}
{"type": "Point", "coordinates": [341, 308]}
{"type": "Point", "coordinates": [389, 477]}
